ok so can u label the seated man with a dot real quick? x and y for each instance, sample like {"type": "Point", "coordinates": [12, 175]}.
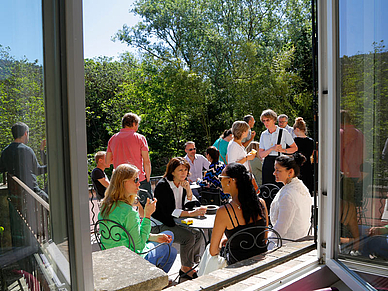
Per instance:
{"type": "Point", "coordinates": [99, 178]}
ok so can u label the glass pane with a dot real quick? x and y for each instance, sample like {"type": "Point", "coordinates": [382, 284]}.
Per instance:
{"type": "Point", "coordinates": [363, 131]}
{"type": "Point", "coordinates": [28, 255]}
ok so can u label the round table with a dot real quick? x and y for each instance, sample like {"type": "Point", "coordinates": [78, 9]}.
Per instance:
{"type": "Point", "coordinates": [200, 222]}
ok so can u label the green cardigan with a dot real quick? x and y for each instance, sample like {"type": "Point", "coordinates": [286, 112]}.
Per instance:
{"type": "Point", "coordinates": [126, 216]}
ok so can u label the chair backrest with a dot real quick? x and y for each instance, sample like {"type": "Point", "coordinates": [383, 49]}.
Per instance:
{"type": "Point", "coordinates": [250, 241]}
{"type": "Point", "coordinates": [210, 196]}
{"type": "Point", "coordinates": [143, 195]}
{"type": "Point", "coordinates": [107, 229]}
{"type": "Point", "coordinates": [267, 193]}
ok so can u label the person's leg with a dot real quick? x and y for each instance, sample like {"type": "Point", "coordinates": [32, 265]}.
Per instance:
{"type": "Point", "coordinates": [164, 255]}
{"type": "Point", "coordinates": [376, 245]}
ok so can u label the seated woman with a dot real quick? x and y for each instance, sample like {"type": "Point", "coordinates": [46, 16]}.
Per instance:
{"type": "Point", "coordinates": [291, 207]}
{"type": "Point", "coordinates": [245, 210]}
{"type": "Point", "coordinates": [210, 178]}
{"type": "Point", "coordinates": [174, 195]}
{"type": "Point", "coordinates": [117, 206]}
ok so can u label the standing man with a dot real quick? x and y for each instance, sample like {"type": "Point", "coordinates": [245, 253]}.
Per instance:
{"type": "Point", "coordinates": [197, 162]}
{"type": "Point", "coordinates": [283, 123]}
{"type": "Point", "coordinates": [128, 146]}
{"type": "Point", "coordinates": [20, 160]}
{"type": "Point", "coordinates": [251, 134]}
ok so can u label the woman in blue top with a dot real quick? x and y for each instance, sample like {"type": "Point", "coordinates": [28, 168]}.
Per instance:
{"type": "Point", "coordinates": [210, 178]}
{"type": "Point", "coordinates": [222, 143]}
{"type": "Point", "coordinates": [118, 206]}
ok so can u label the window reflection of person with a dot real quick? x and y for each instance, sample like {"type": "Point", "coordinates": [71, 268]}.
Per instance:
{"type": "Point", "coordinates": [352, 157]}
{"type": "Point", "coordinates": [377, 243]}
{"type": "Point", "coordinates": [20, 160]}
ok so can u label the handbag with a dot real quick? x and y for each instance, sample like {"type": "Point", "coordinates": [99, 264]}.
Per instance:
{"type": "Point", "coordinates": [210, 263]}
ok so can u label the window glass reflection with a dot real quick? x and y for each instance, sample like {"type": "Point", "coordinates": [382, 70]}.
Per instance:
{"type": "Point", "coordinates": [28, 256]}
{"type": "Point", "coordinates": [363, 131]}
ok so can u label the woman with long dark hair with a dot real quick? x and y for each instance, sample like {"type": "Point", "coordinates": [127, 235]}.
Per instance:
{"type": "Point", "coordinates": [245, 210]}
{"type": "Point", "coordinates": [291, 207]}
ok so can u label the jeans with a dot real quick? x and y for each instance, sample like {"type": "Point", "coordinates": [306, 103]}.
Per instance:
{"type": "Point", "coordinates": [160, 255]}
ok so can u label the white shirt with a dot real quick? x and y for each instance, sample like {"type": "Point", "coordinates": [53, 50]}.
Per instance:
{"type": "Point", "coordinates": [196, 167]}
{"type": "Point", "coordinates": [290, 130]}
{"type": "Point", "coordinates": [178, 191]}
{"type": "Point", "coordinates": [291, 210]}
{"type": "Point", "coordinates": [236, 152]}
{"type": "Point", "coordinates": [268, 140]}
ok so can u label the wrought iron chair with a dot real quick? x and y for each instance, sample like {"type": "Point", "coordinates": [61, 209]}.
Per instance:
{"type": "Point", "coordinates": [116, 232]}
{"type": "Point", "coordinates": [267, 193]}
{"type": "Point", "coordinates": [248, 241]}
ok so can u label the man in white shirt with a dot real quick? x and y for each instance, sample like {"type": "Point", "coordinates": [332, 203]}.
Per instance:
{"type": "Point", "coordinates": [283, 123]}
{"type": "Point", "coordinates": [197, 162]}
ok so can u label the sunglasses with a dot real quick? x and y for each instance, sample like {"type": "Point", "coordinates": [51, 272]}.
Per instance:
{"type": "Point", "coordinates": [136, 180]}
{"type": "Point", "coordinates": [193, 149]}
{"type": "Point", "coordinates": [223, 177]}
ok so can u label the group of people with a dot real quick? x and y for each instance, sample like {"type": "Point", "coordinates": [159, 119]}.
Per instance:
{"type": "Point", "coordinates": [227, 169]}
{"type": "Point", "coordinates": [230, 167]}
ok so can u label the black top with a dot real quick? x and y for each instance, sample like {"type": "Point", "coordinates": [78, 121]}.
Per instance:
{"type": "Point", "coordinates": [20, 160]}
{"type": "Point", "coordinates": [97, 174]}
{"type": "Point", "coordinates": [306, 147]}
{"type": "Point", "coordinates": [166, 203]}
{"type": "Point", "coordinates": [243, 246]}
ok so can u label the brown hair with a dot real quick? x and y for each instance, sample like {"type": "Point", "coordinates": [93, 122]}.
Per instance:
{"type": "Point", "coordinates": [269, 113]}
{"type": "Point", "coordinates": [99, 155]}
{"type": "Point", "coordinates": [173, 164]}
{"type": "Point", "coordinates": [238, 128]}
{"type": "Point", "coordinates": [300, 124]}
{"type": "Point", "coordinates": [214, 153]}
{"type": "Point", "coordinates": [115, 191]}
{"type": "Point", "coordinates": [130, 119]}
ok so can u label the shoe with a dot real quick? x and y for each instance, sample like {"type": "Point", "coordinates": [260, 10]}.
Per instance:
{"type": "Point", "coordinates": [183, 275]}
{"type": "Point", "coordinates": [354, 253]}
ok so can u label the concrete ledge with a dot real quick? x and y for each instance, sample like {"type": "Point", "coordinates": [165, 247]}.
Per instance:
{"type": "Point", "coordinates": [243, 270]}
{"type": "Point", "coordinates": [121, 269]}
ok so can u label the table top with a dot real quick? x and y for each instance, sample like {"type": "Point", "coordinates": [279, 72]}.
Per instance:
{"type": "Point", "coordinates": [194, 186]}
{"type": "Point", "coordinates": [204, 222]}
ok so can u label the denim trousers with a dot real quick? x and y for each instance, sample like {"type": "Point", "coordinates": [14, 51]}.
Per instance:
{"type": "Point", "coordinates": [161, 254]}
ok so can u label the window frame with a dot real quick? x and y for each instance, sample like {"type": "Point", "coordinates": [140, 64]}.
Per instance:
{"type": "Point", "coordinates": [66, 130]}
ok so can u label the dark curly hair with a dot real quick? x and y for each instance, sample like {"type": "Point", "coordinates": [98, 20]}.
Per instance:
{"type": "Point", "coordinates": [250, 204]}
{"type": "Point", "coordinates": [294, 161]}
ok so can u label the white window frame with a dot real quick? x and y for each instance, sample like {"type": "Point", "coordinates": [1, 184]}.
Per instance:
{"type": "Point", "coordinates": [328, 163]}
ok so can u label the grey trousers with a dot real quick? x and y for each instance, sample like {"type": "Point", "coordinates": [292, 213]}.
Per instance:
{"type": "Point", "coordinates": [190, 240]}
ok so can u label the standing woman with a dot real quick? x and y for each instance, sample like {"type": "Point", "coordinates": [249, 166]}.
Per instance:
{"type": "Point", "coordinates": [222, 144]}
{"type": "Point", "coordinates": [236, 150]}
{"type": "Point", "coordinates": [174, 194]}
{"type": "Point", "coordinates": [306, 147]}
{"type": "Point", "coordinates": [291, 207]}
{"type": "Point", "coordinates": [273, 142]}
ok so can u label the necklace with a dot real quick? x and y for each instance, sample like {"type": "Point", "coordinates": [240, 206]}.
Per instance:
{"type": "Point", "coordinates": [238, 206]}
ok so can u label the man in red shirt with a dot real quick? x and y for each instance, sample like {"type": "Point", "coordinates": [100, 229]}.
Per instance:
{"type": "Point", "coordinates": [128, 146]}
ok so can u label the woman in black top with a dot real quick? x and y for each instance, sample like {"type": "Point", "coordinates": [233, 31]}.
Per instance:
{"type": "Point", "coordinates": [306, 147]}
{"type": "Point", "coordinates": [174, 195]}
{"type": "Point", "coordinates": [245, 210]}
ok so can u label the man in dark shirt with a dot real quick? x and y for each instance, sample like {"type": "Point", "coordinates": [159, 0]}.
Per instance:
{"type": "Point", "coordinates": [100, 180]}
{"type": "Point", "coordinates": [19, 159]}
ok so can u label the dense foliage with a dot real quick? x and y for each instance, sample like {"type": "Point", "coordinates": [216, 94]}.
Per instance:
{"type": "Point", "coordinates": [204, 64]}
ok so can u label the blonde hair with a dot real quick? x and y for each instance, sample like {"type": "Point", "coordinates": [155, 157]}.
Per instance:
{"type": "Point", "coordinates": [238, 128]}
{"type": "Point", "coordinates": [116, 191]}
{"type": "Point", "coordinates": [254, 145]}
{"type": "Point", "coordinates": [300, 124]}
